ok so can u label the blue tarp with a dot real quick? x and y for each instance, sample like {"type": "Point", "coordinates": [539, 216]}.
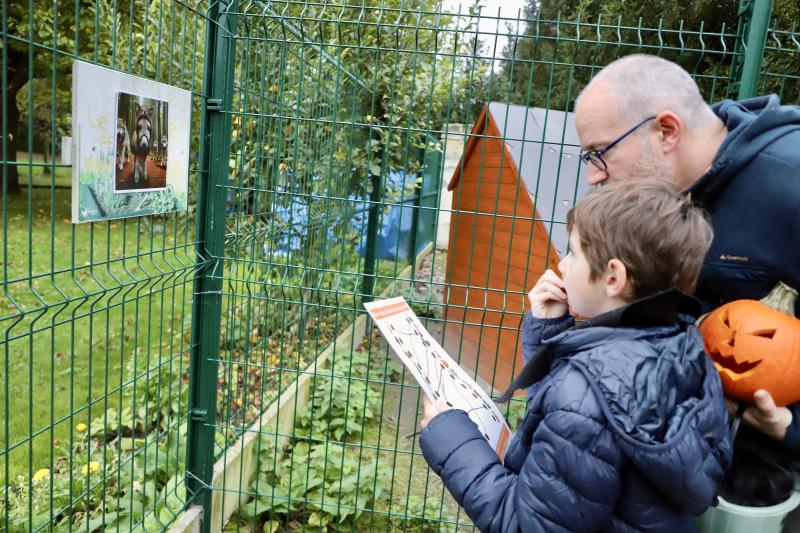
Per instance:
{"type": "Point", "coordinates": [394, 235]}
{"type": "Point", "coordinates": [290, 224]}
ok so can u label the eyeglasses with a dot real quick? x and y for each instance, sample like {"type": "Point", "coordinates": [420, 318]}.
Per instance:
{"type": "Point", "coordinates": [595, 157]}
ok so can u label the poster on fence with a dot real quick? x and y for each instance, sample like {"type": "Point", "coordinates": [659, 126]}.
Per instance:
{"type": "Point", "coordinates": [130, 145]}
{"type": "Point", "coordinates": [437, 373]}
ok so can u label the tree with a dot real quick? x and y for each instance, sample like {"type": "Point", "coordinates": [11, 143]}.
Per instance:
{"type": "Point", "coordinates": [780, 73]}
{"type": "Point", "coordinates": [566, 42]}
{"type": "Point", "coordinates": [40, 24]}
{"type": "Point", "coordinates": [367, 85]}
{"type": "Point", "coordinates": [467, 101]}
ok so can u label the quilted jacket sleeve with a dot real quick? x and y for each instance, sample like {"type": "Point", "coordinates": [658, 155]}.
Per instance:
{"type": "Point", "coordinates": [569, 481]}
{"type": "Point", "coordinates": [534, 330]}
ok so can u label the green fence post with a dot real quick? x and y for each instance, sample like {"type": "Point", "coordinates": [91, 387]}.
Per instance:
{"type": "Point", "coordinates": [431, 185]}
{"type": "Point", "coordinates": [754, 17]}
{"type": "Point", "coordinates": [375, 204]}
{"type": "Point", "coordinates": [211, 205]}
{"type": "Point", "coordinates": [417, 212]}
{"type": "Point", "coordinates": [754, 55]}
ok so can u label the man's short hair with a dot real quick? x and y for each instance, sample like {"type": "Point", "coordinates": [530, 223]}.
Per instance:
{"type": "Point", "coordinates": [645, 85]}
{"type": "Point", "coordinates": [654, 230]}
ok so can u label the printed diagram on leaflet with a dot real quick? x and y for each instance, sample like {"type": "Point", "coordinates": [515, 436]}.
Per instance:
{"type": "Point", "coordinates": [439, 376]}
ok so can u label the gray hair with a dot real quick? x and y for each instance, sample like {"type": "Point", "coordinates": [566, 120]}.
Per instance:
{"type": "Point", "coordinates": [645, 85]}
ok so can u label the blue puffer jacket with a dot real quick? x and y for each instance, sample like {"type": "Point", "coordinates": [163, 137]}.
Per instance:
{"type": "Point", "coordinates": [627, 432]}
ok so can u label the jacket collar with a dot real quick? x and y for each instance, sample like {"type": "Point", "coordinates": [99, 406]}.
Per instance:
{"type": "Point", "coordinates": [659, 309]}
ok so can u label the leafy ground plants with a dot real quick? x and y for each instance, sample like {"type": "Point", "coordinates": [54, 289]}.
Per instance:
{"type": "Point", "coordinates": [322, 477]}
{"type": "Point", "coordinates": [333, 473]}
{"type": "Point", "coordinates": [124, 470]}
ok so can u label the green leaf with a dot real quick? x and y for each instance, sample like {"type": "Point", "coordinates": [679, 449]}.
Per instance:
{"type": "Point", "coordinates": [315, 520]}
{"type": "Point", "coordinates": [271, 526]}
{"type": "Point", "coordinates": [133, 502]}
{"type": "Point", "coordinates": [254, 508]}
{"type": "Point", "coordinates": [98, 522]}
{"type": "Point", "coordinates": [129, 443]}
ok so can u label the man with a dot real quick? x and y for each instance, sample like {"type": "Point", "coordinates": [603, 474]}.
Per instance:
{"type": "Point", "coordinates": [643, 116]}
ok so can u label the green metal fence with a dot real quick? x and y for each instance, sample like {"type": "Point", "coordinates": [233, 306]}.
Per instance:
{"type": "Point", "coordinates": [139, 353]}
{"type": "Point", "coordinates": [96, 318]}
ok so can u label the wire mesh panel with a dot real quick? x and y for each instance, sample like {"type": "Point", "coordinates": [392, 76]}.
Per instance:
{"type": "Point", "coordinates": [138, 351]}
{"type": "Point", "coordinates": [95, 317]}
{"type": "Point", "coordinates": [782, 51]}
{"type": "Point", "coordinates": [339, 117]}
{"type": "Point", "coordinates": [331, 158]}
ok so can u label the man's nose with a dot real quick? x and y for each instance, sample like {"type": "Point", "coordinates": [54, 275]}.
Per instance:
{"type": "Point", "coordinates": [595, 175]}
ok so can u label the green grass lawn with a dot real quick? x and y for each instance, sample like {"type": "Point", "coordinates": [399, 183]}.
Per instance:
{"type": "Point", "coordinates": [85, 310]}
{"type": "Point", "coordinates": [30, 171]}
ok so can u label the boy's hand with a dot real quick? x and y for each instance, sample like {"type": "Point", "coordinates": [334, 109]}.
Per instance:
{"type": "Point", "coordinates": [548, 299]}
{"type": "Point", "coordinates": [431, 409]}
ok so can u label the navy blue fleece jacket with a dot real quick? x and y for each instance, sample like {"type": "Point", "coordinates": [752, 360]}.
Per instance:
{"type": "Point", "coordinates": [752, 192]}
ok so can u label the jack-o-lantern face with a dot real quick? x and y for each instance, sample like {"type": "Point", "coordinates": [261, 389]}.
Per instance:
{"type": "Point", "coordinates": [754, 347]}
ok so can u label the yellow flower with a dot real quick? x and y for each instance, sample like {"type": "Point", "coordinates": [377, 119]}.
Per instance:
{"type": "Point", "coordinates": [41, 474]}
{"type": "Point", "coordinates": [93, 466]}
{"type": "Point", "coordinates": [81, 427]}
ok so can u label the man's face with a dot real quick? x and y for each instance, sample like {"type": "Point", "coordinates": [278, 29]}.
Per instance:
{"type": "Point", "coordinates": [599, 123]}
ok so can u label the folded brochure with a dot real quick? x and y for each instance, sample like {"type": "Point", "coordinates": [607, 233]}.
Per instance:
{"type": "Point", "coordinates": [439, 376]}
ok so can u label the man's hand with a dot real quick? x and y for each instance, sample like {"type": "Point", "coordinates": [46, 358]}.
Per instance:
{"type": "Point", "coordinates": [548, 299]}
{"type": "Point", "coordinates": [431, 409]}
{"type": "Point", "coordinates": [767, 417]}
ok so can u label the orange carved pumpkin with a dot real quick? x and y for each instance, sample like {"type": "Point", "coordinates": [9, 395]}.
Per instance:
{"type": "Point", "coordinates": [754, 347]}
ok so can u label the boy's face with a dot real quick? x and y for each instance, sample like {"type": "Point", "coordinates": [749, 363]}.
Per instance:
{"type": "Point", "coordinates": [585, 297]}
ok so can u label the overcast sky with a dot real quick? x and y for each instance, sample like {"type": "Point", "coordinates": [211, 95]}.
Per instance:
{"type": "Point", "coordinates": [488, 24]}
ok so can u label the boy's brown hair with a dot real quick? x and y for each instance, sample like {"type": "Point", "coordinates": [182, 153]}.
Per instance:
{"type": "Point", "coordinates": [654, 230]}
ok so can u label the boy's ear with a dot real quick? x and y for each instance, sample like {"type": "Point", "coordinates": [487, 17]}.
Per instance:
{"type": "Point", "coordinates": [616, 279]}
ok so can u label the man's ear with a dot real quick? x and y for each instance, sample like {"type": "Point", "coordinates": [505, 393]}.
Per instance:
{"type": "Point", "coordinates": [616, 279]}
{"type": "Point", "coordinates": [669, 129]}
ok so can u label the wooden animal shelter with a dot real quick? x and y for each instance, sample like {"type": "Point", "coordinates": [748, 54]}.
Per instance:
{"type": "Point", "coordinates": [517, 179]}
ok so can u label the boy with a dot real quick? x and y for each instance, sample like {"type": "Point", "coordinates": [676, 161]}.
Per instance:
{"type": "Point", "coordinates": [628, 429]}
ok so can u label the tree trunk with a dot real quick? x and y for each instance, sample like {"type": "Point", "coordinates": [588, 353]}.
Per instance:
{"type": "Point", "coordinates": [12, 174]}
{"type": "Point", "coordinates": [17, 78]}
{"type": "Point", "coordinates": [46, 151]}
